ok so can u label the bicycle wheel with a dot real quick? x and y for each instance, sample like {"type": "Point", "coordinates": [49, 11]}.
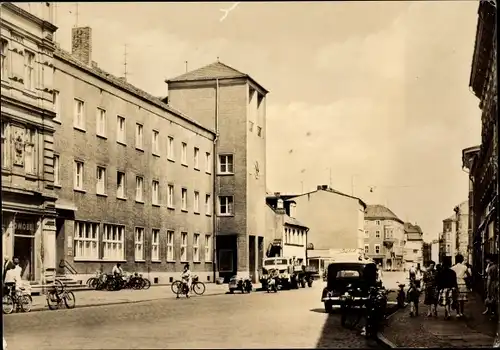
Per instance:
{"type": "Point", "coordinates": [52, 300]}
{"type": "Point", "coordinates": [25, 303]}
{"type": "Point", "coordinates": [146, 283]}
{"type": "Point", "coordinates": [91, 282]}
{"type": "Point", "coordinates": [198, 288]}
{"type": "Point", "coordinates": [176, 287]}
{"type": "Point", "coordinates": [59, 286]}
{"type": "Point", "coordinates": [69, 300]}
{"type": "Point", "coordinates": [7, 304]}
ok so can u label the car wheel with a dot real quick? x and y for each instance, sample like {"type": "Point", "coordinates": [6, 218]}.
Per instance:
{"type": "Point", "coordinates": [231, 291]}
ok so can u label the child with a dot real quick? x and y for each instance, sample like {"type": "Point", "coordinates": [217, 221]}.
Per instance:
{"type": "Point", "coordinates": [413, 296]}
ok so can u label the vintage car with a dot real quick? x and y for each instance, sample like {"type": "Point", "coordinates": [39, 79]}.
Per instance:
{"type": "Point", "coordinates": [355, 275]}
{"type": "Point", "coordinates": [241, 283]}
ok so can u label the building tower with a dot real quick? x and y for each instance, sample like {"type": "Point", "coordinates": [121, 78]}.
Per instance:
{"type": "Point", "coordinates": [234, 105]}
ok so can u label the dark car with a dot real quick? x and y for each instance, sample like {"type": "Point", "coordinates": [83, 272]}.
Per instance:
{"type": "Point", "coordinates": [358, 275]}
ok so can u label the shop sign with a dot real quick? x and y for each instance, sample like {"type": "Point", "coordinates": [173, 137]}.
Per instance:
{"type": "Point", "coordinates": [25, 227]}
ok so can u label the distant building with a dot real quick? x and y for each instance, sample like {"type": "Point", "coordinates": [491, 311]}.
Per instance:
{"type": "Point", "coordinates": [335, 219]}
{"type": "Point", "coordinates": [426, 253]}
{"type": "Point", "coordinates": [435, 251]}
{"type": "Point", "coordinates": [414, 245]}
{"type": "Point", "coordinates": [462, 234]}
{"type": "Point", "coordinates": [468, 156]}
{"type": "Point", "coordinates": [287, 236]}
{"type": "Point", "coordinates": [384, 237]}
{"type": "Point", "coordinates": [233, 104]}
{"type": "Point", "coordinates": [448, 239]}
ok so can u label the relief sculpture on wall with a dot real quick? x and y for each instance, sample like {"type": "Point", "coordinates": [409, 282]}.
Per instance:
{"type": "Point", "coordinates": [18, 141]}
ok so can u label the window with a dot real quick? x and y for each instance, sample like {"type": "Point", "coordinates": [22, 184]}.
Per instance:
{"type": "Point", "coordinates": [156, 142]}
{"type": "Point", "coordinates": [29, 70]}
{"type": "Point", "coordinates": [208, 163]}
{"type": "Point", "coordinates": [259, 131]}
{"type": "Point", "coordinates": [448, 236]}
{"type": "Point", "coordinates": [184, 199]}
{"type": "Point", "coordinates": [78, 181]}
{"type": "Point", "coordinates": [30, 156]}
{"type": "Point", "coordinates": [170, 148]}
{"type": "Point", "coordinates": [448, 249]}
{"type": "Point", "coordinates": [79, 116]}
{"type": "Point", "coordinates": [120, 129]}
{"type": "Point", "coordinates": [57, 104]}
{"type": "Point", "coordinates": [139, 136]}
{"type": "Point", "coordinates": [226, 164]}
{"type": "Point", "coordinates": [196, 202]}
{"type": "Point", "coordinates": [155, 245]}
{"type": "Point", "coordinates": [5, 145]}
{"type": "Point", "coordinates": [208, 248]}
{"type": "Point", "coordinates": [57, 170]}
{"type": "Point", "coordinates": [377, 248]}
{"type": "Point", "coordinates": [377, 234]}
{"type": "Point", "coordinates": [170, 196]}
{"type": "Point", "coordinates": [86, 240]}
{"type": "Point", "coordinates": [101, 122]}
{"type": "Point", "coordinates": [196, 247]}
{"type": "Point", "coordinates": [101, 180]}
{"type": "Point", "coordinates": [139, 244]}
{"type": "Point", "coordinates": [4, 49]}
{"type": "Point", "coordinates": [367, 234]}
{"type": "Point", "coordinates": [225, 205]}
{"type": "Point", "coordinates": [170, 246]}
{"type": "Point", "coordinates": [377, 222]}
{"type": "Point", "coordinates": [120, 184]}
{"type": "Point", "coordinates": [184, 239]}
{"type": "Point", "coordinates": [139, 188]}
{"type": "Point", "coordinates": [208, 206]}
{"type": "Point", "coordinates": [113, 242]}
{"type": "Point", "coordinates": [367, 248]}
{"type": "Point", "coordinates": [251, 126]}
{"type": "Point", "coordinates": [196, 158]}
{"type": "Point", "coordinates": [184, 154]}
{"type": "Point", "coordinates": [415, 251]}
{"type": "Point", "coordinates": [156, 193]}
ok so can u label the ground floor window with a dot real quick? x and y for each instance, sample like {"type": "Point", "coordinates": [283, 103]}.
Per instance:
{"type": "Point", "coordinates": [113, 242]}
{"type": "Point", "coordinates": [86, 240]}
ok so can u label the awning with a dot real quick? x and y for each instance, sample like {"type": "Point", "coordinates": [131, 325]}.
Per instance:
{"type": "Point", "coordinates": [65, 204]}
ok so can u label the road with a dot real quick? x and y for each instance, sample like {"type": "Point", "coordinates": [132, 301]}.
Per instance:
{"type": "Point", "coordinates": [287, 319]}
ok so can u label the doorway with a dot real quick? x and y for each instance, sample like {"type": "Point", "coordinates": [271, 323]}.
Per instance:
{"type": "Point", "coordinates": [24, 250]}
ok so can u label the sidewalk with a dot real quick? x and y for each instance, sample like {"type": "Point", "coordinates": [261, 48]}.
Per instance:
{"type": "Point", "coordinates": [97, 297]}
{"type": "Point", "coordinates": [417, 332]}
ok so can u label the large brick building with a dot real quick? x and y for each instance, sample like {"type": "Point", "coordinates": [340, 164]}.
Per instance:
{"type": "Point", "coordinates": [384, 237]}
{"type": "Point", "coordinates": [234, 104]}
{"type": "Point", "coordinates": [28, 198]}
{"type": "Point", "coordinates": [133, 176]}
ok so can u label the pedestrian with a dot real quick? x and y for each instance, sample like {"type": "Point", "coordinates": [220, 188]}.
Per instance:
{"type": "Point", "coordinates": [492, 289]}
{"type": "Point", "coordinates": [413, 297]}
{"type": "Point", "coordinates": [186, 279]}
{"type": "Point", "coordinates": [468, 279]}
{"type": "Point", "coordinates": [447, 284]}
{"type": "Point", "coordinates": [430, 288]}
{"type": "Point", "coordinates": [418, 276]}
{"type": "Point", "coordinates": [462, 272]}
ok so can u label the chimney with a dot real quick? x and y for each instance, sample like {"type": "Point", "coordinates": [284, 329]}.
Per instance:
{"type": "Point", "coordinates": [319, 187]}
{"type": "Point", "coordinates": [81, 44]}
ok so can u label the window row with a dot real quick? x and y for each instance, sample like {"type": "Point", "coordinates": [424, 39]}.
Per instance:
{"type": "Point", "coordinates": [295, 236]}
{"type": "Point", "coordinates": [376, 249]}
{"type": "Point", "coordinates": [259, 129]}
{"type": "Point", "coordinates": [19, 64]}
{"type": "Point", "coordinates": [88, 240]}
{"type": "Point", "coordinates": [19, 147]}
{"type": "Point", "coordinates": [367, 234]}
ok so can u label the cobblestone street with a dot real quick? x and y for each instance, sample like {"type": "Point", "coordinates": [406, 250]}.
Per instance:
{"type": "Point", "coordinates": [287, 319]}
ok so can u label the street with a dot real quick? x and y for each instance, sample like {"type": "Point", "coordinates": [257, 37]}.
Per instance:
{"type": "Point", "coordinates": [286, 319]}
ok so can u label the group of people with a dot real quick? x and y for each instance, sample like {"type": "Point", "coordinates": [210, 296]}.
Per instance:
{"type": "Point", "coordinates": [448, 286]}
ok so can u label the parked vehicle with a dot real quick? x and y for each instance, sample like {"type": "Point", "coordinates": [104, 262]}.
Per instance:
{"type": "Point", "coordinates": [290, 274]}
{"type": "Point", "coordinates": [241, 283]}
{"type": "Point", "coordinates": [59, 295]}
{"type": "Point", "coordinates": [348, 276]}
{"type": "Point", "coordinates": [197, 287]}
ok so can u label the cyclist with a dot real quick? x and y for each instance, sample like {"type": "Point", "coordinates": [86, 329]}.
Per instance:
{"type": "Point", "coordinates": [13, 277]}
{"type": "Point", "coordinates": [186, 280]}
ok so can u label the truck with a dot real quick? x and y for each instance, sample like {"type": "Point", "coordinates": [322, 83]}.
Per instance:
{"type": "Point", "coordinates": [291, 273]}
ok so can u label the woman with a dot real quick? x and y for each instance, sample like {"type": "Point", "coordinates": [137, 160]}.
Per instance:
{"type": "Point", "coordinates": [462, 272]}
{"type": "Point", "coordinates": [418, 276]}
{"type": "Point", "coordinates": [491, 301]}
{"type": "Point", "coordinates": [430, 288]}
{"type": "Point", "coordinates": [447, 285]}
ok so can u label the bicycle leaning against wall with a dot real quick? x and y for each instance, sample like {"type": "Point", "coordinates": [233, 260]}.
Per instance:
{"type": "Point", "coordinates": [58, 295]}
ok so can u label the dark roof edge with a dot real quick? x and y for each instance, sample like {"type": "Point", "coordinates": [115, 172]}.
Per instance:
{"type": "Point", "coordinates": [62, 55]}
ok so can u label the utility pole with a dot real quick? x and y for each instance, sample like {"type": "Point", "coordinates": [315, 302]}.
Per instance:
{"type": "Point", "coordinates": [186, 66]}
{"type": "Point", "coordinates": [125, 62]}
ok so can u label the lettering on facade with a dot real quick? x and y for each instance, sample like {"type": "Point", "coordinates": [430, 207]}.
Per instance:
{"type": "Point", "coordinates": [25, 227]}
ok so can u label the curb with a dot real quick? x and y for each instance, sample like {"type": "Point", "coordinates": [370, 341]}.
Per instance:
{"type": "Point", "coordinates": [382, 339]}
{"type": "Point", "coordinates": [113, 303]}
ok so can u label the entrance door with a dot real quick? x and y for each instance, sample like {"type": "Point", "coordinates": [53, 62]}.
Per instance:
{"type": "Point", "coordinates": [60, 241]}
{"type": "Point", "coordinates": [24, 250]}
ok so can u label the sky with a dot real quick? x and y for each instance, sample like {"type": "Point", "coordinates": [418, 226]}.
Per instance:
{"type": "Point", "coordinates": [372, 98]}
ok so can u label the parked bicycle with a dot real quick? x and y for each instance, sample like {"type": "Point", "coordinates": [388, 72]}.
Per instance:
{"type": "Point", "coordinates": [17, 300]}
{"type": "Point", "coordinates": [58, 295]}
{"type": "Point", "coordinates": [180, 287]}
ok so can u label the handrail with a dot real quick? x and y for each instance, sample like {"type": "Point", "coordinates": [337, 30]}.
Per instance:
{"type": "Point", "coordinates": [64, 264]}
